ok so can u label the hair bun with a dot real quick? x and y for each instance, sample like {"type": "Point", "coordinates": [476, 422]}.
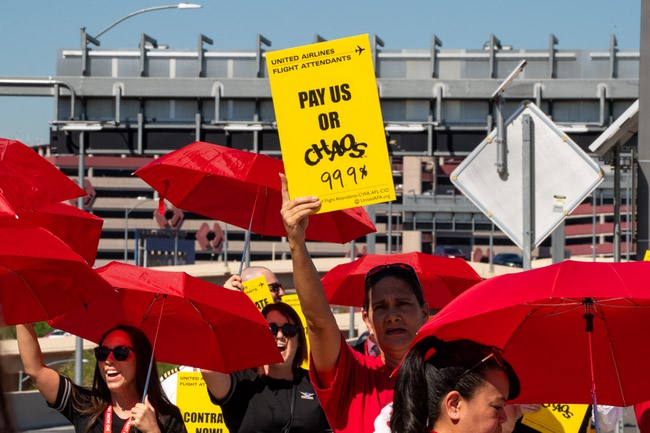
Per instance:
{"type": "Point", "coordinates": [431, 345]}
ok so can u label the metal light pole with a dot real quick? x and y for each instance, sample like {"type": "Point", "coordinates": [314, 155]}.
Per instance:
{"type": "Point", "coordinates": [497, 97]}
{"type": "Point", "coordinates": [85, 39]}
{"type": "Point", "coordinates": [127, 212]}
{"type": "Point", "coordinates": [79, 342]}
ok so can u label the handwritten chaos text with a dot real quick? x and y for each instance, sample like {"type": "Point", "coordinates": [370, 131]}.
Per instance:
{"type": "Point", "coordinates": [347, 145]}
{"type": "Point", "coordinates": [564, 409]}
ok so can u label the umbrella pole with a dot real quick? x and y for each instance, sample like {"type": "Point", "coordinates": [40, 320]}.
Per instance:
{"type": "Point", "coordinates": [593, 385]}
{"type": "Point", "coordinates": [589, 318]}
{"type": "Point", "coordinates": [247, 240]}
{"type": "Point", "coordinates": [153, 350]}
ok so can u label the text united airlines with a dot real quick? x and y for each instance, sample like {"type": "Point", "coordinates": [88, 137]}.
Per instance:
{"type": "Point", "coordinates": [306, 60]}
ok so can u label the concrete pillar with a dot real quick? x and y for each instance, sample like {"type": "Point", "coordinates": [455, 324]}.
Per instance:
{"type": "Point", "coordinates": [411, 241]}
{"type": "Point", "coordinates": [412, 176]}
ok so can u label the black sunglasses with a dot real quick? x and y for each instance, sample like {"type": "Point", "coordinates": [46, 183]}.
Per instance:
{"type": "Point", "coordinates": [120, 353]}
{"type": "Point", "coordinates": [275, 287]}
{"type": "Point", "coordinates": [288, 330]}
{"type": "Point", "coordinates": [400, 267]}
{"type": "Point", "coordinates": [495, 355]}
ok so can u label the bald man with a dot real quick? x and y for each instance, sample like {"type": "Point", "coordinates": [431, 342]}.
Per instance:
{"type": "Point", "coordinates": [254, 272]}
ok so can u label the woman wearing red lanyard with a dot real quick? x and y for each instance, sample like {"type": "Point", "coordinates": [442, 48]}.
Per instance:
{"type": "Point", "coordinates": [114, 402]}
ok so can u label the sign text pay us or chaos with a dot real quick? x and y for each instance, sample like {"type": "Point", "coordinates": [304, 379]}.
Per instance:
{"type": "Point", "coordinates": [329, 121]}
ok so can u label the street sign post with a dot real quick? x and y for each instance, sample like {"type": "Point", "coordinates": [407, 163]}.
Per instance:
{"type": "Point", "coordinates": [548, 175]}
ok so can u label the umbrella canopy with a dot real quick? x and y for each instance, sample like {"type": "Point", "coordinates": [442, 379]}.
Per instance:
{"type": "Point", "coordinates": [28, 181]}
{"type": "Point", "coordinates": [202, 324]}
{"type": "Point", "coordinates": [41, 277]}
{"type": "Point", "coordinates": [234, 186]}
{"type": "Point", "coordinates": [442, 278]}
{"type": "Point", "coordinates": [79, 229]}
{"type": "Point", "coordinates": [539, 318]}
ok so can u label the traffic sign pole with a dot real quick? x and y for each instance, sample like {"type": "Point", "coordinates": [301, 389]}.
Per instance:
{"type": "Point", "coordinates": [528, 174]}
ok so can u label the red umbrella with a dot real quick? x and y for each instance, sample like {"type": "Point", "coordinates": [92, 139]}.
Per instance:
{"type": "Point", "coordinates": [442, 278]}
{"type": "Point", "coordinates": [241, 188]}
{"type": "Point", "coordinates": [198, 323]}
{"type": "Point", "coordinates": [41, 277]}
{"type": "Point", "coordinates": [28, 181]}
{"type": "Point", "coordinates": [79, 229]}
{"type": "Point", "coordinates": [564, 328]}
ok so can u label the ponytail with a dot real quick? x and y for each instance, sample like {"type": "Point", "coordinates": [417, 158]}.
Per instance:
{"type": "Point", "coordinates": [411, 398]}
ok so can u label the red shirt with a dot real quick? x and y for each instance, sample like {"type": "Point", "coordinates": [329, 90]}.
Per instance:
{"type": "Point", "coordinates": [642, 412]}
{"type": "Point", "coordinates": [360, 389]}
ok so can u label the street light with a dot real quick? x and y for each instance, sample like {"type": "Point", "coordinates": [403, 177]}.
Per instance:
{"type": "Point", "coordinates": [86, 38]}
{"type": "Point", "coordinates": [127, 211]}
{"type": "Point", "coordinates": [141, 11]}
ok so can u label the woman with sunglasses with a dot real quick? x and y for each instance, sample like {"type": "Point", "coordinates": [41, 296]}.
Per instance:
{"type": "Point", "coordinates": [277, 398]}
{"type": "Point", "coordinates": [114, 403]}
{"type": "Point", "coordinates": [353, 388]}
{"type": "Point", "coordinates": [452, 387]}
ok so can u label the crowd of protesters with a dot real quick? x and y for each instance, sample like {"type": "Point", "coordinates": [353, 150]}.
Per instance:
{"type": "Point", "coordinates": [430, 387]}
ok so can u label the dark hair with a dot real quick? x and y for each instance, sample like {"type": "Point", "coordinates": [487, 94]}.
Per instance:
{"type": "Point", "coordinates": [101, 395]}
{"type": "Point", "coordinates": [6, 419]}
{"type": "Point", "coordinates": [290, 314]}
{"type": "Point", "coordinates": [397, 270]}
{"type": "Point", "coordinates": [422, 384]}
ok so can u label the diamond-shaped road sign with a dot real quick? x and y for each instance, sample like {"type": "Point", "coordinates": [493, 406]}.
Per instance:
{"type": "Point", "coordinates": [563, 176]}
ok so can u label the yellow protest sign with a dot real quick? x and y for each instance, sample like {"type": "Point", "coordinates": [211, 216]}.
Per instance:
{"type": "Point", "coordinates": [646, 256]}
{"type": "Point", "coordinates": [329, 121]}
{"type": "Point", "coordinates": [556, 418]}
{"type": "Point", "coordinates": [295, 303]}
{"type": "Point", "coordinates": [199, 414]}
{"type": "Point", "coordinates": [258, 290]}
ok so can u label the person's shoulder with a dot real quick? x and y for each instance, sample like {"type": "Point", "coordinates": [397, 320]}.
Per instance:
{"type": "Point", "coordinates": [67, 386]}
{"type": "Point", "coordinates": [248, 373]}
{"type": "Point", "coordinates": [369, 362]}
{"type": "Point", "coordinates": [247, 377]}
{"type": "Point", "coordinates": [301, 375]}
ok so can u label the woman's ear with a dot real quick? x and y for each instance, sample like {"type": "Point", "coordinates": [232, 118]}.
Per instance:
{"type": "Point", "coordinates": [451, 405]}
{"type": "Point", "coordinates": [366, 319]}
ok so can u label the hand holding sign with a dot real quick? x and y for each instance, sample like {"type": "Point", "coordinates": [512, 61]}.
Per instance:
{"type": "Point", "coordinates": [234, 283]}
{"type": "Point", "coordinates": [295, 212]}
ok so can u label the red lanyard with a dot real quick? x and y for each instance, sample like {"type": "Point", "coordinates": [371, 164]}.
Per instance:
{"type": "Point", "coordinates": [108, 421]}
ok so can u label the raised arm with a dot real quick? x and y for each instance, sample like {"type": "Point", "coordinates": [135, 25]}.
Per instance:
{"type": "Point", "coordinates": [218, 383]}
{"type": "Point", "coordinates": [324, 334]}
{"type": "Point", "coordinates": [45, 379]}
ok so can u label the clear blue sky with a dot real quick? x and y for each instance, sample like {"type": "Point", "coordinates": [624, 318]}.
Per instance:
{"type": "Point", "coordinates": [32, 31]}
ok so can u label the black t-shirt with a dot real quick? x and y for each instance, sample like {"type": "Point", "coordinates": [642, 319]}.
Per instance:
{"type": "Point", "coordinates": [261, 404]}
{"type": "Point", "coordinates": [63, 404]}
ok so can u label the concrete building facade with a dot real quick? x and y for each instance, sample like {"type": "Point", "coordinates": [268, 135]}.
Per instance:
{"type": "Point", "coordinates": [121, 108]}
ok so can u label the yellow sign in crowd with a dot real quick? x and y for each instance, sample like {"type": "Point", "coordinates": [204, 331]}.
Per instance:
{"type": "Point", "coordinates": [557, 418]}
